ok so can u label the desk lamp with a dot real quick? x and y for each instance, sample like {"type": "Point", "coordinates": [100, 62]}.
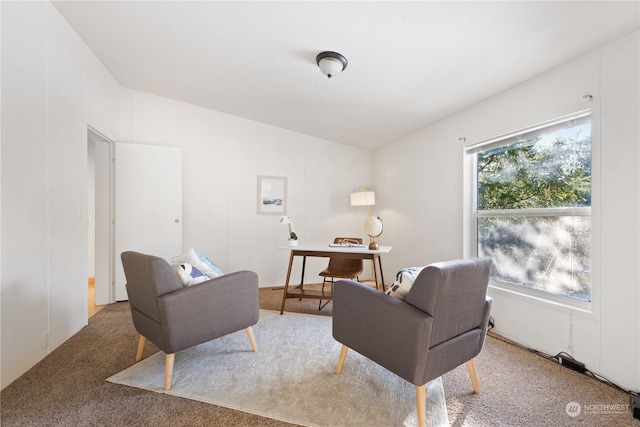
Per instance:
{"type": "Point", "coordinates": [372, 225]}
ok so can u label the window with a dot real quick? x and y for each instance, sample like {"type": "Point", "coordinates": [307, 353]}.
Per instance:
{"type": "Point", "coordinates": [532, 207]}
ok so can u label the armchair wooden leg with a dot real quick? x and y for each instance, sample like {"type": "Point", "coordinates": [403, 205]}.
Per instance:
{"type": "Point", "coordinates": [141, 342]}
{"type": "Point", "coordinates": [471, 365]}
{"type": "Point", "coordinates": [168, 370]}
{"type": "Point", "coordinates": [343, 355]}
{"type": "Point", "coordinates": [421, 404]}
{"type": "Point", "coordinates": [252, 340]}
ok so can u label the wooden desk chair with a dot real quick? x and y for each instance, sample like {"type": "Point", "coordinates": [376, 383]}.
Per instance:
{"type": "Point", "coordinates": [341, 268]}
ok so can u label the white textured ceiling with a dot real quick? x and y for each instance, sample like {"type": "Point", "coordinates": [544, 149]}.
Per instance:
{"type": "Point", "coordinates": [410, 63]}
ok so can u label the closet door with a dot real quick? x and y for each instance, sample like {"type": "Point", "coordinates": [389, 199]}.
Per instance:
{"type": "Point", "coordinates": [148, 204]}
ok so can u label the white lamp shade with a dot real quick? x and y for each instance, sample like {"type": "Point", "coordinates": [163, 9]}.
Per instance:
{"type": "Point", "coordinates": [330, 66]}
{"type": "Point", "coordinates": [363, 198]}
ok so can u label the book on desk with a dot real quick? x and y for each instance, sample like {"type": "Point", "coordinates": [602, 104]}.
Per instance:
{"type": "Point", "coordinates": [347, 243]}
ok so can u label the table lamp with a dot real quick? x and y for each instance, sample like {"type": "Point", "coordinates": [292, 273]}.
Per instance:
{"type": "Point", "coordinates": [372, 225]}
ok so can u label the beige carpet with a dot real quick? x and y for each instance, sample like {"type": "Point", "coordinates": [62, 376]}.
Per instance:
{"type": "Point", "coordinates": [68, 388]}
{"type": "Point", "coordinates": [290, 379]}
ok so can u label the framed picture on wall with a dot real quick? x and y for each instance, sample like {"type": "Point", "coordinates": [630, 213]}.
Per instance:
{"type": "Point", "coordinates": [272, 195]}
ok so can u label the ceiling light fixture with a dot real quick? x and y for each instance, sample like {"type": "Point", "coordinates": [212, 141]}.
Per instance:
{"type": "Point", "coordinates": [331, 63]}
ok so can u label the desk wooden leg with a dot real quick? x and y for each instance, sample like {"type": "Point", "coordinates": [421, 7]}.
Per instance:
{"type": "Point", "coordinates": [286, 284]}
{"type": "Point", "coordinates": [375, 273]}
{"type": "Point", "coordinates": [384, 289]}
{"type": "Point", "coordinates": [304, 264]}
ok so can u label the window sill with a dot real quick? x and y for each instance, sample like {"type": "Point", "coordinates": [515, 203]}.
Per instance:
{"type": "Point", "coordinates": [558, 301]}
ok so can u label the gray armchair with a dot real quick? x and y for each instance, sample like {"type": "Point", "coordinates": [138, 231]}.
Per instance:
{"type": "Point", "coordinates": [441, 324]}
{"type": "Point", "coordinates": [176, 318]}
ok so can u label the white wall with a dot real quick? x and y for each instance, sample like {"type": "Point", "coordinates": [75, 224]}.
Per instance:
{"type": "Point", "coordinates": [222, 158]}
{"type": "Point", "coordinates": [53, 88]}
{"type": "Point", "coordinates": [25, 225]}
{"type": "Point", "coordinates": [422, 194]}
{"type": "Point", "coordinates": [44, 187]}
{"type": "Point", "coordinates": [102, 97]}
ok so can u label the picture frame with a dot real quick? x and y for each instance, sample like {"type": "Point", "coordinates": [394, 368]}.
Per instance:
{"type": "Point", "coordinates": [272, 195]}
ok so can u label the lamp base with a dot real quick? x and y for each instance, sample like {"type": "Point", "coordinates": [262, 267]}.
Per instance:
{"type": "Point", "coordinates": [373, 246]}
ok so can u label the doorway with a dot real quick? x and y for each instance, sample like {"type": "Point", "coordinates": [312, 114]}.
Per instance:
{"type": "Point", "coordinates": [100, 221]}
{"type": "Point", "coordinates": [143, 195]}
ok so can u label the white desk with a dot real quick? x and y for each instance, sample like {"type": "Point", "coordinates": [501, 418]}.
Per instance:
{"type": "Point", "coordinates": [326, 251]}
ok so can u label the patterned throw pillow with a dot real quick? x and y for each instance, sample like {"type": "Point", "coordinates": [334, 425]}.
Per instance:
{"type": "Point", "coordinates": [198, 260]}
{"type": "Point", "coordinates": [189, 275]}
{"type": "Point", "coordinates": [404, 280]}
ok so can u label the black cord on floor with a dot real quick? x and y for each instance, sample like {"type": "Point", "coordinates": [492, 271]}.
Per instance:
{"type": "Point", "coordinates": [557, 358]}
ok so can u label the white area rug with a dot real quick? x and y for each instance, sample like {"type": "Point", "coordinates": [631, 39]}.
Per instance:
{"type": "Point", "coordinates": [291, 378]}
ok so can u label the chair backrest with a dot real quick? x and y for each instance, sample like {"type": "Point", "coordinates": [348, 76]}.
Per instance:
{"type": "Point", "coordinates": [148, 277]}
{"type": "Point", "coordinates": [454, 294]}
{"type": "Point", "coordinates": [345, 268]}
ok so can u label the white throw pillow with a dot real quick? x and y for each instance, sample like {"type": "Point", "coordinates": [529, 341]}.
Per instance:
{"type": "Point", "coordinates": [215, 270]}
{"type": "Point", "coordinates": [404, 280]}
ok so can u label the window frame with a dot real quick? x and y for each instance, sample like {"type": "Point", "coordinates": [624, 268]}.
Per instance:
{"type": "Point", "coordinates": [471, 194]}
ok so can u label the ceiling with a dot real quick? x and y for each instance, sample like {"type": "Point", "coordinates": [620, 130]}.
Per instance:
{"type": "Point", "coordinates": [410, 63]}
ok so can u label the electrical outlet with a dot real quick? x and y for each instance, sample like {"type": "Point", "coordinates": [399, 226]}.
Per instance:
{"type": "Point", "coordinates": [45, 340]}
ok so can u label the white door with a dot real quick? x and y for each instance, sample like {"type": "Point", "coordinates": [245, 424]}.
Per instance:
{"type": "Point", "coordinates": [148, 203]}
{"type": "Point", "coordinates": [102, 219]}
